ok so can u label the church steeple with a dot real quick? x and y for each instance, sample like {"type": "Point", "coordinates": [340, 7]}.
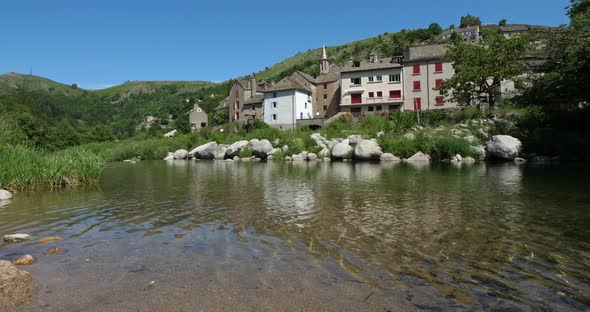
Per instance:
{"type": "Point", "coordinates": [324, 62]}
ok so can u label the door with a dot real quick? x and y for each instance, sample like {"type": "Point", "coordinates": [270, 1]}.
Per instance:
{"type": "Point", "coordinates": [356, 98]}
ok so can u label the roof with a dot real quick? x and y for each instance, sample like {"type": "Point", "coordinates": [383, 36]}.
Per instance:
{"type": "Point", "coordinates": [306, 76]}
{"type": "Point", "coordinates": [324, 54]}
{"type": "Point", "coordinates": [460, 30]}
{"type": "Point", "coordinates": [515, 28]}
{"type": "Point", "coordinates": [332, 75]}
{"type": "Point", "coordinates": [258, 98]}
{"type": "Point", "coordinates": [223, 104]}
{"type": "Point", "coordinates": [364, 65]}
{"type": "Point", "coordinates": [427, 52]}
{"type": "Point", "coordinates": [195, 107]}
{"type": "Point", "coordinates": [288, 83]}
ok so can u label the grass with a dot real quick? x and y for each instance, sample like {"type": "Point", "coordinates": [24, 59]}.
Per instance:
{"type": "Point", "coordinates": [28, 168]}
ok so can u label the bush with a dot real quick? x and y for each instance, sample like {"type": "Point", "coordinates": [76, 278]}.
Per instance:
{"type": "Point", "coordinates": [246, 152]}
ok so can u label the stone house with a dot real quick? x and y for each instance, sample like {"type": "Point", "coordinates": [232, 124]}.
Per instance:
{"type": "Point", "coordinates": [327, 95]}
{"type": "Point", "coordinates": [241, 91]}
{"type": "Point", "coordinates": [471, 33]}
{"type": "Point", "coordinates": [514, 30]}
{"type": "Point", "coordinates": [372, 86]}
{"type": "Point", "coordinates": [198, 118]}
{"type": "Point", "coordinates": [424, 70]}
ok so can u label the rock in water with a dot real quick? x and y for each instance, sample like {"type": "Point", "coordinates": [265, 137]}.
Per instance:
{"type": "Point", "coordinates": [367, 150]}
{"type": "Point", "coordinates": [15, 238]}
{"type": "Point", "coordinates": [15, 285]}
{"type": "Point", "coordinates": [50, 239]}
{"type": "Point", "coordinates": [342, 151]}
{"type": "Point", "coordinates": [236, 148]}
{"type": "Point", "coordinates": [219, 152]}
{"type": "Point", "coordinates": [503, 147]}
{"type": "Point", "coordinates": [4, 194]}
{"type": "Point", "coordinates": [388, 157]}
{"type": "Point", "coordinates": [312, 156]}
{"type": "Point", "coordinates": [170, 156]}
{"type": "Point", "coordinates": [419, 157]}
{"type": "Point", "coordinates": [54, 250]}
{"type": "Point", "coordinates": [180, 154]}
{"type": "Point", "coordinates": [25, 260]}
{"type": "Point", "coordinates": [261, 148]}
{"type": "Point", "coordinates": [205, 151]}
{"type": "Point", "coordinates": [479, 151]}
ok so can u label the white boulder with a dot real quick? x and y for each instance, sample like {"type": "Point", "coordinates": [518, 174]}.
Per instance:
{"type": "Point", "coordinates": [236, 148]}
{"type": "Point", "coordinates": [170, 156]}
{"type": "Point", "coordinates": [261, 148]}
{"type": "Point", "coordinates": [15, 238]}
{"type": "Point", "coordinates": [205, 151]}
{"type": "Point", "coordinates": [180, 154]}
{"type": "Point", "coordinates": [4, 194]}
{"type": "Point", "coordinates": [354, 139]}
{"type": "Point", "coordinates": [367, 150]}
{"type": "Point", "coordinates": [503, 147]}
{"type": "Point", "coordinates": [342, 150]}
{"type": "Point", "coordinates": [388, 157]}
{"type": "Point", "coordinates": [419, 157]}
{"type": "Point", "coordinates": [312, 156]}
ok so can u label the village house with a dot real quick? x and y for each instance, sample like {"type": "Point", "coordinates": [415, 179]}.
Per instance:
{"type": "Point", "coordinates": [514, 30]}
{"type": "Point", "coordinates": [471, 33]}
{"type": "Point", "coordinates": [424, 70]}
{"type": "Point", "coordinates": [198, 118]}
{"type": "Point", "coordinates": [372, 86]}
{"type": "Point", "coordinates": [289, 101]}
{"type": "Point", "coordinates": [245, 100]}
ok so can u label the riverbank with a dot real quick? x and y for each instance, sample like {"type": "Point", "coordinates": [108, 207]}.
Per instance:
{"type": "Point", "coordinates": [28, 168]}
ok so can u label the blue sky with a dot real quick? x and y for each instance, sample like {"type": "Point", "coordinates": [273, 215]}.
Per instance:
{"type": "Point", "coordinates": [101, 43]}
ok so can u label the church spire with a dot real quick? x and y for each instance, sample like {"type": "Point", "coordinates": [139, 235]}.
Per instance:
{"type": "Point", "coordinates": [324, 62]}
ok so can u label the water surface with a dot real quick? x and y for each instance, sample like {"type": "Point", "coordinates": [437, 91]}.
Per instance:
{"type": "Point", "coordinates": [197, 235]}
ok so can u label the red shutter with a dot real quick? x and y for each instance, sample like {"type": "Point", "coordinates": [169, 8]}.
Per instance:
{"type": "Point", "coordinates": [417, 104]}
{"type": "Point", "coordinates": [395, 94]}
{"type": "Point", "coordinates": [438, 67]}
{"type": "Point", "coordinates": [416, 85]}
{"type": "Point", "coordinates": [416, 69]}
{"type": "Point", "coordinates": [379, 94]}
{"type": "Point", "coordinates": [371, 94]}
{"type": "Point", "coordinates": [440, 100]}
{"type": "Point", "coordinates": [437, 83]}
{"type": "Point", "coordinates": [356, 98]}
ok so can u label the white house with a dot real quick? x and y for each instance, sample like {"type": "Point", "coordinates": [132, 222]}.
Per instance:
{"type": "Point", "coordinates": [373, 86]}
{"type": "Point", "coordinates": [288, 101]}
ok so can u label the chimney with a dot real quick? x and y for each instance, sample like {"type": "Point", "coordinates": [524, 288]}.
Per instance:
{"type": "Point", "coordinates": [253, 85]}
{"type": "Point", "coordinates": [407, 52]}
{"type": "Point", "coordinates": [373, 57]}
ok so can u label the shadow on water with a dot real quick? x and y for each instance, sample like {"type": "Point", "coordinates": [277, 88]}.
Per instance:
{"type": "Point", "coordinates": [473, 237]}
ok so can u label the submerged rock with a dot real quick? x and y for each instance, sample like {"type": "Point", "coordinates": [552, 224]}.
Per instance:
{"type": "Point", "coordinates": [367, 150]}
{"type": "Point", "coordinates": [25, 260]}
{"type": "Point", "coordinates": [503, 147]}
{"type": "Point", "coordinates": [15, 238]}
{"type": "Point", "coordinates": [50, 239]}
{"type": "Point", "coordinates": [468, 160]}
{"type": "Point", "coordinates": [15, 285]}
{"type": "Point", "coordinates": [54, 250]}
{"type": "Point", "coordinates": [4, 194]}
{"type": "Point", "coordinates": [170, 156]}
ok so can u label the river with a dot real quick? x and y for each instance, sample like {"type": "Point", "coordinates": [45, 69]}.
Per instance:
{"type": "Point", "coordinates": [276, 236]}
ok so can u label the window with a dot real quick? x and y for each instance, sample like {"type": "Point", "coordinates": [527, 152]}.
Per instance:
{"type": "Point", "coordinates": [379, 94]}
{"type": "Point", "coordinates": [379, 78]}
{"type": "Point", "coordinates": [325, 96]}
{"type": "Point", "coordinates": [236, 93]}
{"type": "Point", "coordinates": [371, 108]}
{"type": "Point", "coordinates": [356, 98]}
{"type": "Point", "coordinates": [274, 95]}
{"type": "Point", "coordinates": [395, 94]}
{"type": "Point", "coordinates": [395, 78]}
{"type": "Point", "coordinates": [274, 104]}
{"type": "Point", "coordinates": [371, 78]}
{"type": "Point", "coordinates": [417, 104]}
{"type": "Point", "coordinates": [355, 81]}
{"type": "Point", "coordinates": [325, 86]}
{"type": "Point", "coordinates": [371, 94]}
{"type": "Point", "coordinates": [379, 108]}
{"type": "Point", "coordinates": [391, 108]}
{"type": "Point", "coordinates": [274, 116]}
{"type": "Point", "coordinates": [305, 105]}
{"type": "Point", "coordinates": [438, 67]}
{"type": "Point", "coordinates": [416, 85]}
{"type": "Point", "coordinates": [440, 100]}
{"type": "Point", "coordinates": [437, 83]}
{"type": "Point", "coordinates": [416, 70]}
{"type": "Point", "coordinates": [325, 107]}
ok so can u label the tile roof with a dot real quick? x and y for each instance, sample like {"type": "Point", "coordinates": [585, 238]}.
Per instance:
{"type": "Point", "coordinates": [195, 107]}
{"type": "Point", "coordinates": [364, 65]}
{"type": "Point", "coordinates": [257, 98]}
{"type": "Point", "coordinates": [332, 75]}
{"type": "Point", "coordinates": [459, 30]}
{"type": "Point", "coordinates": [223, 104]}
{"type": "Point", "coordinates": [514, 28]}
{"type": "Point", "coordinates": [287, 83]}
{"type": "Point", "coordinates": [427, 52]}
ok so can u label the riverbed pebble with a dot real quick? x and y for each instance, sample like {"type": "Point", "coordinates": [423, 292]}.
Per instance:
{"type": "Point", "coordinates": [25, 260]}
{"type": "Point", "coordinates": [15, 285]}
{"type": "Point", "coordinates": [15, 238]}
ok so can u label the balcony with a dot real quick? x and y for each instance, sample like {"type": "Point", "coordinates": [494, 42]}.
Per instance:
{"type": "Point", "coordinates": [347, 101]}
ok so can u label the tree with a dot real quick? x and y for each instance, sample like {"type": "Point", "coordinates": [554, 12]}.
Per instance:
{"type": "Point", "coordinates": [434, 29]}
{"type": "Point", "coordinates": [502, 22]}
{"type": "Point", "coordinates": [182, 124]}
{"type": "Point", "coordinates": [480, 68]}
{"type": "Point", "coordinates": [469, 20]}
{"type": "Point", "coordinates": [220, 116]}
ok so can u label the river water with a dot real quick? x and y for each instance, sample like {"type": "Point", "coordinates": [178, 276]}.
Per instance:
{"type": "Point", "coordinates": [275, 236]}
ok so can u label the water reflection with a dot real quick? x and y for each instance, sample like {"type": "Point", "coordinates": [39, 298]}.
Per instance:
{"type": "Point", "coordinates": [477, 237]}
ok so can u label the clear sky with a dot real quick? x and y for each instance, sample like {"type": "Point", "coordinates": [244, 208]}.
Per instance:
{"type": "Point", "coordinates": [98, 43]}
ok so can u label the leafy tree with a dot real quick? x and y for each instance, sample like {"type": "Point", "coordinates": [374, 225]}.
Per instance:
{"type": "Point", "coordinates": [480, 68]}
{"type": "Point", "coordinates": [220, 116]}
{"type": "Point", "coordinates": [100, 133]}
{"type": "Point", "coordinates": [435, 29]}
{"type": "Point", "coordinates": [502, 22]}
{"type": "Point", "coordinates": [182, 124]}
{"type": "Point", "coordinates": [469, 20]}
